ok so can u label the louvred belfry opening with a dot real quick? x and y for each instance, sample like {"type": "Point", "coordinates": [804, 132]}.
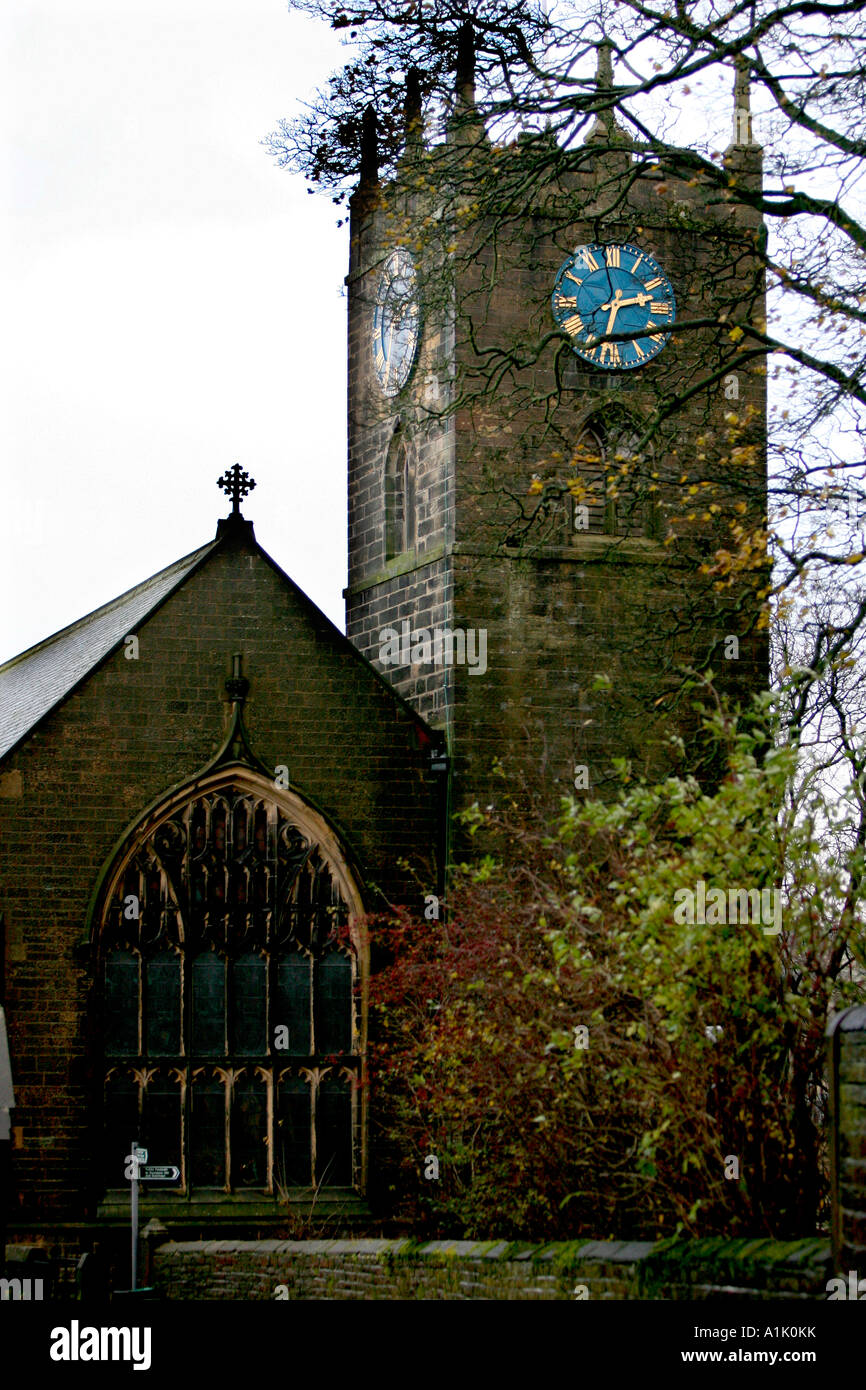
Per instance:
{"type": "Point", "coordinates": [230, 965]}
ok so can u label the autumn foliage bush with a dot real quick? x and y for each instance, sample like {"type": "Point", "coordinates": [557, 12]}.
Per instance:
{"type": "Point", "coordinates": [470, 1064]}
{"type": "Point", "coordinates": [703, 1043]}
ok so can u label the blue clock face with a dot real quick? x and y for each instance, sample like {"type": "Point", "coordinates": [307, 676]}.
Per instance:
{"type": "Point", "coordinates": [614, 289]}
{"type": "Point", "coordinates": [395, 322]}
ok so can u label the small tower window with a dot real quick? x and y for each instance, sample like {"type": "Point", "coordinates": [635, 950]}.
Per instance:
{"type": "Point", "coordinates": [399, 496]}
{"type": "Point", "coordinates": [591, 508]}
{"type": "Point", "coordinates": [612, 495]}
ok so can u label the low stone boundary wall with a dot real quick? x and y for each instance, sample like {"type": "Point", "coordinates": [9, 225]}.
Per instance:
{"type": "Point", "coordinates": [460, 1269]}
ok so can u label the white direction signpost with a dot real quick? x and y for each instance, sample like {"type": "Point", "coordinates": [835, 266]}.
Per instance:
{"type": "Point", "coordinates": [137, 1171]}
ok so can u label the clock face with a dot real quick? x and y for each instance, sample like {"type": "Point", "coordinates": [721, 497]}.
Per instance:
{"type": "Point", "coordinates": [614, 289]}
{"type": "Point", "coordinates": [395, 322]}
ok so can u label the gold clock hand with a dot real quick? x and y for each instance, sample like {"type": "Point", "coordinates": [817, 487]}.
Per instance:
{"type": "Point", "coordinates": [641, 299]}
{"type": "Point", "coordinates": [388, 361]}
{"type": "Point", "coordinates": [614, 305]}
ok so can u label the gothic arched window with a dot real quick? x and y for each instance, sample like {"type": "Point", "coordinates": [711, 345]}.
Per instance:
{"type": "Point", "coordinates": [611, 488]}
{"type": "Point", "coordinates": [591, 507]}
{"type": "Point", "coordinates": [232, 1042]}
{"type": "Point", "coordinates": [399, 496]}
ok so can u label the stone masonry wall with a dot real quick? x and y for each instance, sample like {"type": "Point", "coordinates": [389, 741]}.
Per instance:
{"type": "Point", "coordinates": [414, 584]}
{"type": "Point", "coordinates": [570, 616]}
{"type": "Point", "coordinates": [440, 1269]}
{"type": "Point", "coordinates": [422, 597]}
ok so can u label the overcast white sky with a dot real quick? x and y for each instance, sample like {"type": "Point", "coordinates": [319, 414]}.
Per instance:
{"type": "Point", "coordinates": [171, 301]}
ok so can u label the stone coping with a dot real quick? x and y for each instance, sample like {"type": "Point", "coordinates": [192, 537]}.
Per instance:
{"type": "Point", "coordinates": [764, 1252]}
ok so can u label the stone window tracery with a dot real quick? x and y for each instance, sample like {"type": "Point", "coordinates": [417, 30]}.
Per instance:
{"type": "Point", "coordinates": [229, 971]}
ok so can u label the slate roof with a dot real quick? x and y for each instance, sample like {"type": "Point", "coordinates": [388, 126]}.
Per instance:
{"type": "Point", "coordinates": [34, 682]}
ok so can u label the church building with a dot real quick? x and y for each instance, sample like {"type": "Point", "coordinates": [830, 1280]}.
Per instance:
{"type": "Point", "coordinates": [207, 791]}
{"type": "Point", "coordinates": [205, 788]}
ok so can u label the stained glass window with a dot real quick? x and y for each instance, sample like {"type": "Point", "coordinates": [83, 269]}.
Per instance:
{"type": "Point", "coordinates": [162, 1117]}
{"type": "Point", "coordinates": [249, 1131]}
{"type": "Point", "coordinates": [334, 1003]}
{"type": "Point", "coordinates": [162, 1004]}
{"type": "Point", "coordinates": [294, 994]}
{"type": "Point", "coordinates": [121, 1003]}
{"type": "Point", "coordinates": [122, 1123]}
{"type": "Point", "coordinates": [294, 1127]}
{"type": "Point", "coordinates": [333, 1131]}
{"type": "Point", "coordinates": [230, 1033]}
{"type": "Point", "coordinates": [249, 1005]}
{"type": "Point", "coordinates": [208, 1126]}
{"type": "Point", "coordinates": [208, 1005]}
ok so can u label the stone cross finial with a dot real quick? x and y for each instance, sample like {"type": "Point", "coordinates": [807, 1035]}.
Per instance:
{"type": "Point", "coordinates": [236, 483]}
{"type": "Point", "coordinates": [604, 68]}
{"type": "Point", "coordinates": [742, 104]}
{"type": "Point", "coordinates": [413, 115]}
{"type": "Point", "coordinates": [465, 76]}
{"type": "Point", "coordinates": [606, 129]}
{"type": "Point", "coordinates": [369, 170]}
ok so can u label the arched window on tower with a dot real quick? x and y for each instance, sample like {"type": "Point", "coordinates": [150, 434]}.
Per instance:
{"type": "Point", "coordinates": [231, 1040]}
{"type": "Point", "coordinates": [399, 496]}
{"type": "Point", "coordinates": [591, 507]}
{"type": "Point", "coordinates": [612, 489]}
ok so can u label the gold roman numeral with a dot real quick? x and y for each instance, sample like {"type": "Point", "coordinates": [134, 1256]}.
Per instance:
{"type": "Point", "coordinates": [611, 256]}
{"type": "Point", "coordinates": [584, 254]}
{"type": "Point", "coordinates": [566, 301]}
{"type": "Point", "coordinates": [656, 337]}
{"type": "Point", "coordinates": [573, 325]}
{"type": "Point", "coordinates": [638, 349]}
{"type": "Point", "coordinates": [637, 263]}
{"type": "Point", "coordinates": [610, 351]}
{"type": "Point", "coordinates": [660, 307]}
{"type": "Point", "coordinates": [651, 284]}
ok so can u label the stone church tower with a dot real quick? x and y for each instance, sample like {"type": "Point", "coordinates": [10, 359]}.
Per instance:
{"type": "Point", "coordinates": [527, 491]}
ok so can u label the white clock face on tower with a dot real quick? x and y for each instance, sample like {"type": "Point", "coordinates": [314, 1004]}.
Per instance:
{"type": "Point", "coordinates": [396, 321]}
